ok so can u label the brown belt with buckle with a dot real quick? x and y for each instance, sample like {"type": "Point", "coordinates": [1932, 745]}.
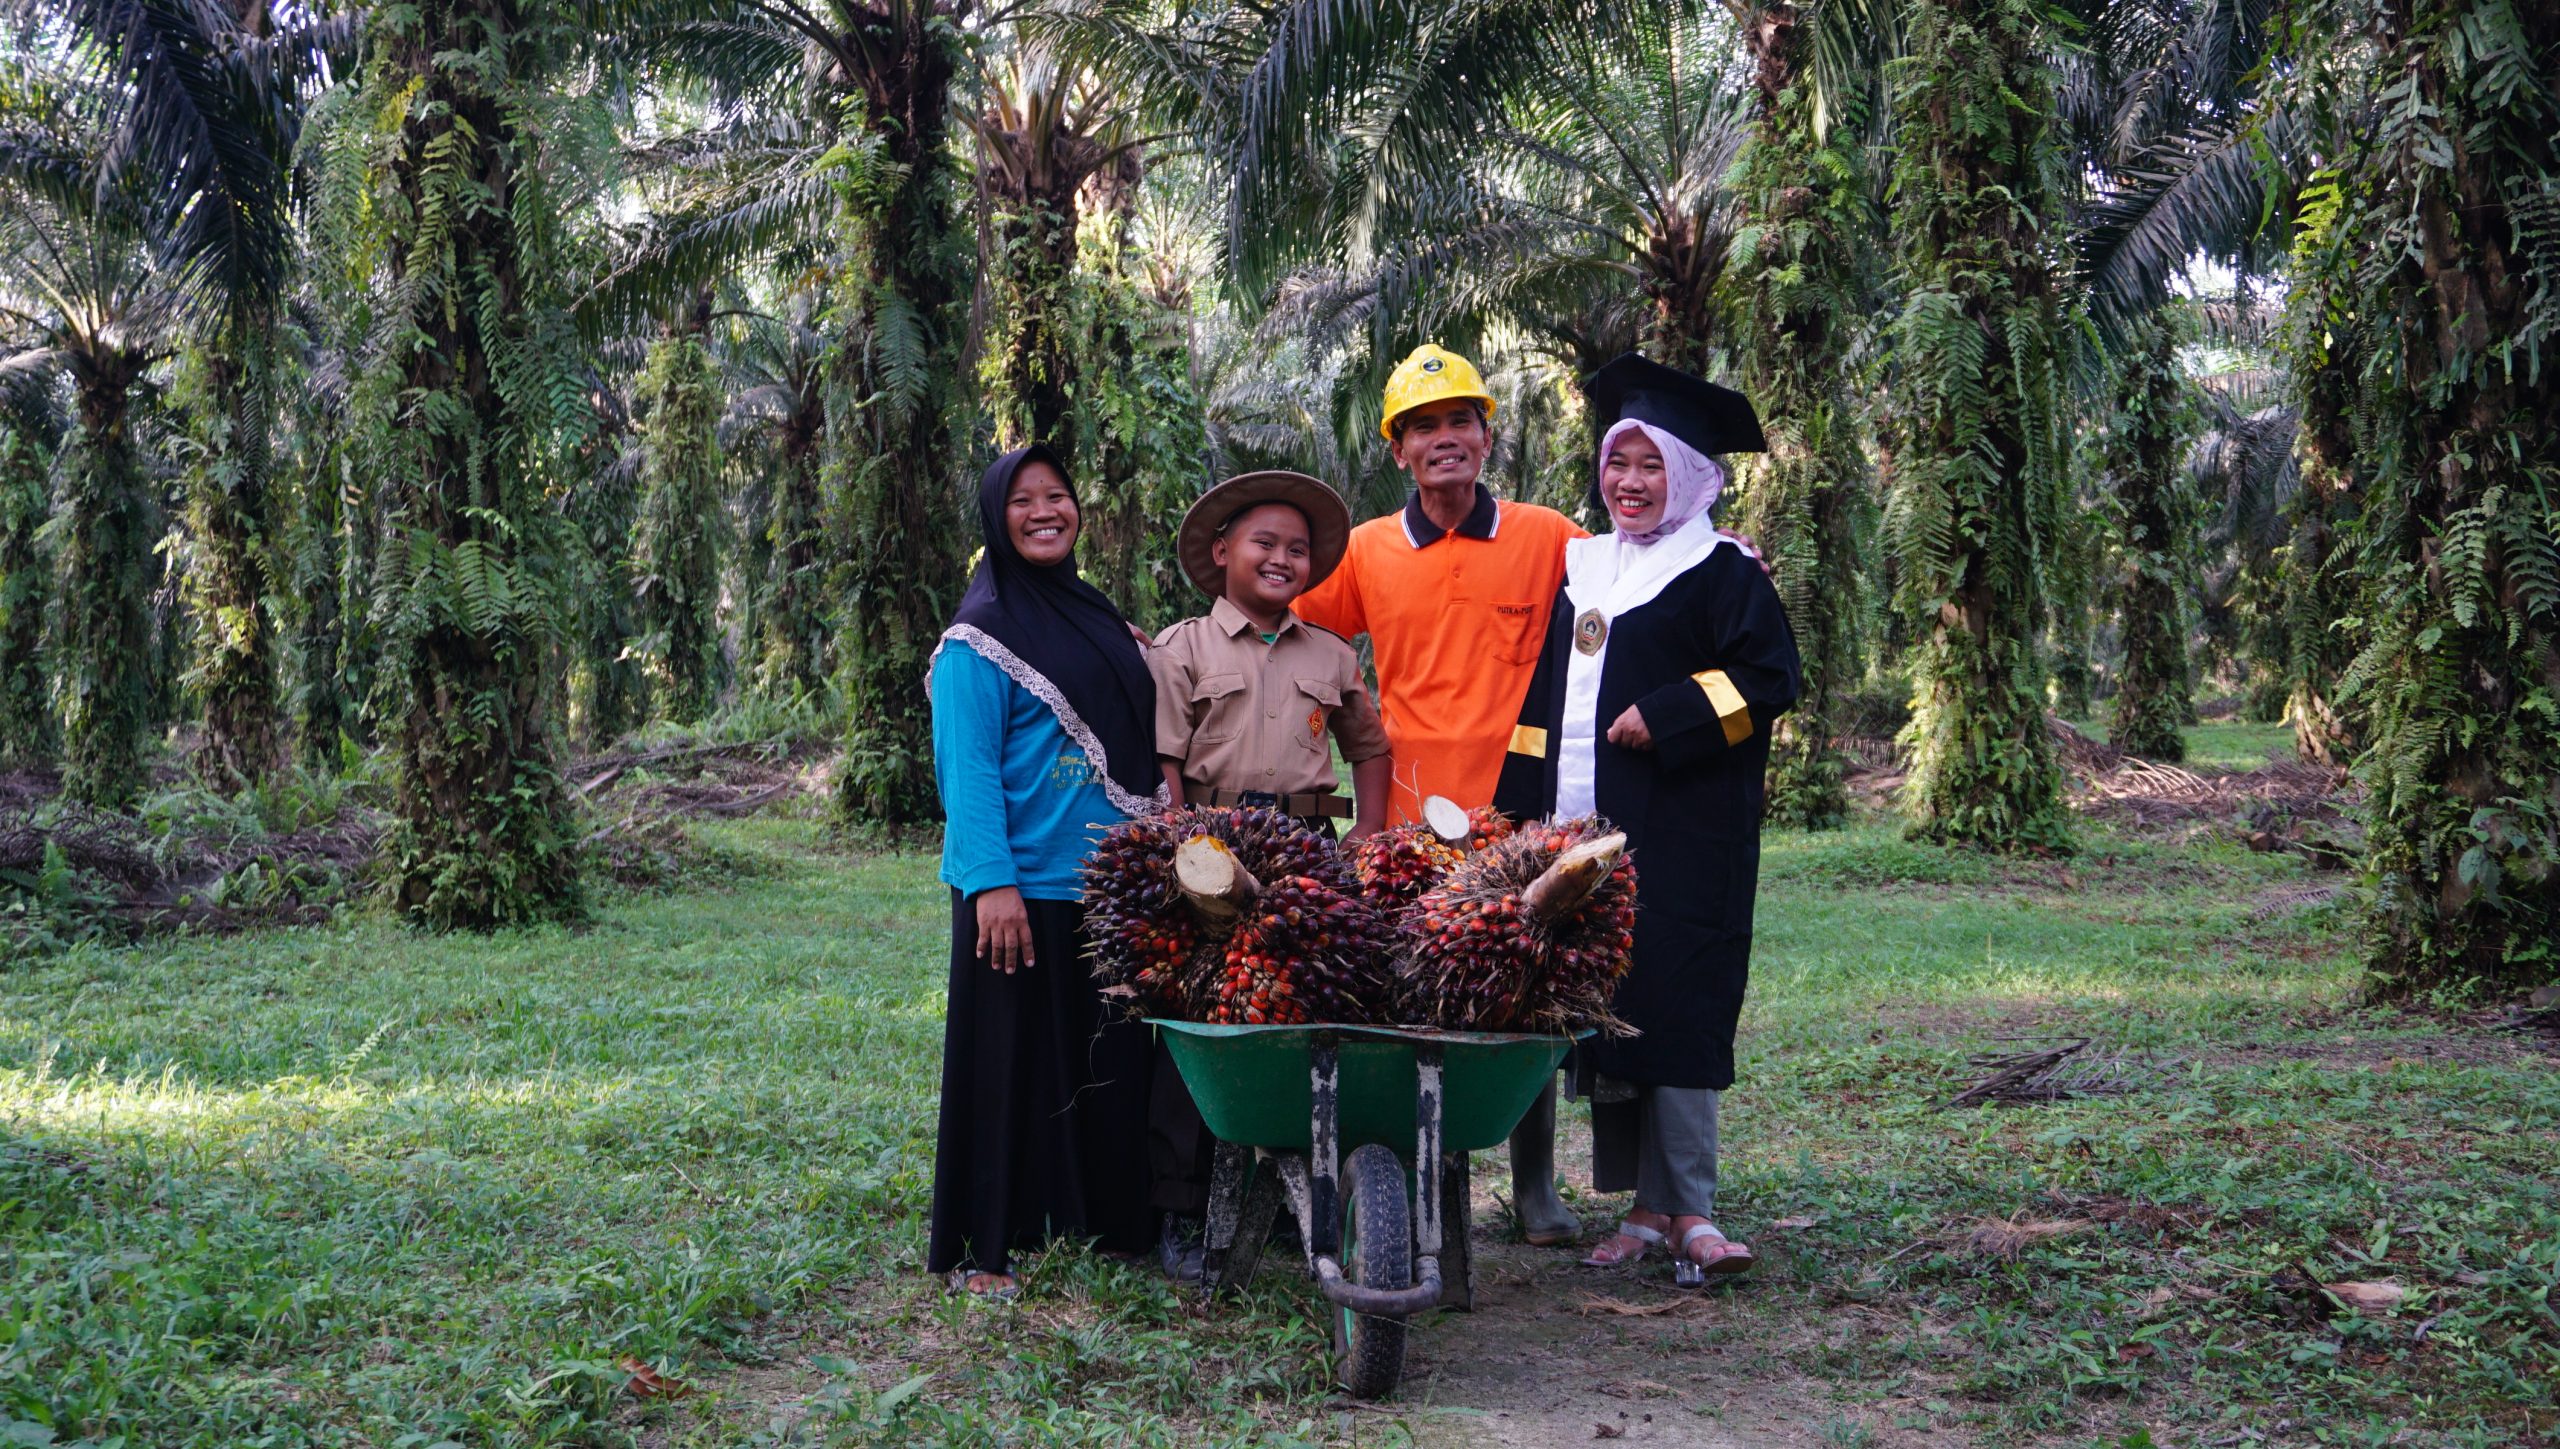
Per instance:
{"type": "Point", "coordinates": [1328, 804]}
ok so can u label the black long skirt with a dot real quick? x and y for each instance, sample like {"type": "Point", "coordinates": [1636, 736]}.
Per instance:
{"type": "Point", "coordinates": [1044, 1103]}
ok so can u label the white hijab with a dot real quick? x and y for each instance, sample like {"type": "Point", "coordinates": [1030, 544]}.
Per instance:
{"type": "Point", "coordinates": [1696, 482]}
{"type": "Point", "coordinates": [1608, 574]}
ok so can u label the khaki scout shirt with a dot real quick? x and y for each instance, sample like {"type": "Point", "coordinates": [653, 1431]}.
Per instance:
{"type": "Point", "coordinates": [1244, 715]}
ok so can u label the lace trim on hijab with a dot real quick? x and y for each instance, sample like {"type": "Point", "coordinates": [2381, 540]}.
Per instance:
{"type": "Point", "coordinates": [1039, 687]}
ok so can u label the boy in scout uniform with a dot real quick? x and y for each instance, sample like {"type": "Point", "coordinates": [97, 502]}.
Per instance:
{"type": "Point", "coordinates": [1247, 693]}
{"type": "Point", "coordinates": [1246, 698]}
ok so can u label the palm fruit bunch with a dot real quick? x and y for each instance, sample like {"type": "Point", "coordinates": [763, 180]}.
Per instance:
{"type": "Point", "coordinates": [1396, 866]}
{"type": "Point", "coordinates": [1531, 933]}
{"type": "Point", "coordinates": [1306, 930]}
{"type": "Point", "coordinates": [1139, 935]}
{"type": "Point", "coordinates": [1307, 952]}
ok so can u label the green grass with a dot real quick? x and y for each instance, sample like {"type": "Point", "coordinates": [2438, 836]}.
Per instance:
{"type": "Point", "coordinates": [2221, 745]}
{"type": "Point", "coordinates": [357, 1186]}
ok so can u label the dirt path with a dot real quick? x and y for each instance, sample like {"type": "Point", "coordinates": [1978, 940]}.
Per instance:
{"type": "Point", "coordinates": [1556, 1353]}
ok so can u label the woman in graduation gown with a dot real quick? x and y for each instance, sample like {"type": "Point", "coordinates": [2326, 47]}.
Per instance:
{"type": "Point", "coordinates": [1667, 659]}
{"type": "Point", "coordinates": [1043, 737]}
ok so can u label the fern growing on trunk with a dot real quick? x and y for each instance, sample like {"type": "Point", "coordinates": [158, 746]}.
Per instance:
{"type": "Point", "coordinates": [227, 585]}
{"type": "Point", "coordinates": [27, 733]}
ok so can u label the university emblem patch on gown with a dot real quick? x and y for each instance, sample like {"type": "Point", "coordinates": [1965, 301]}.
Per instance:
{"type": "Point", "coordinates": [1590, 631]}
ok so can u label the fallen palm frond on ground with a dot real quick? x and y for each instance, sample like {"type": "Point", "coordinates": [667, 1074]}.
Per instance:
{"type": "Point", "coordinates": [71, 874]}
{"type": "Point", "coordinates": [2006, 1238]}
{"type": "Point", "coordinates": [193, 860]}
{"type": "Point", "coordinates": [2053, 1074]}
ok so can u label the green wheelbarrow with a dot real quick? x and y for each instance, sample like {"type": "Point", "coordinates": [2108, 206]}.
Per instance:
{"type": "Point", "coordinates": [1322, 1116]}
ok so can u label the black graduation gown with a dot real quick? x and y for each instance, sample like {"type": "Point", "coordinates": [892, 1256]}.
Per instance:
{"type": "Point", "coordinates": [1690, 805]}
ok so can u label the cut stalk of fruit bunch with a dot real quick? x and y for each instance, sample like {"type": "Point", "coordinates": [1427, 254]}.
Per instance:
{"type": "Point", "coordinates": [1219, 890]}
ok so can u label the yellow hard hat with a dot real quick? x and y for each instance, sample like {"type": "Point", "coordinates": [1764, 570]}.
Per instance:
{"type": "Point", "coordinates": [1429, 374]}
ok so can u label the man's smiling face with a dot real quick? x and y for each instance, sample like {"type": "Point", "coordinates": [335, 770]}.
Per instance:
{"type": "Point", "coordinates": [1443, 444]}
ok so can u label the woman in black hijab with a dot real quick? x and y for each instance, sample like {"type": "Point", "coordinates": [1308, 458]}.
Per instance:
{"type": "Point", "coordinates": [1043, 737]}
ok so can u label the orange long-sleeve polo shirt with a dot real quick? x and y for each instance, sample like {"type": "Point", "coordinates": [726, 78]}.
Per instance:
{"type": "Point", "coordinates": [1454, 620]}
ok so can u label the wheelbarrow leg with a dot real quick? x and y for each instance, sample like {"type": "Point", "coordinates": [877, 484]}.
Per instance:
{"type": "Point", "coordinates": [1429, 1203]}
{"type": "Point", "coordinates": [1457, 1229]}
{"type": "Point", "coordinates": [1228, 1170]}
{"type": "Point", "coordinates": [1324, 1155]}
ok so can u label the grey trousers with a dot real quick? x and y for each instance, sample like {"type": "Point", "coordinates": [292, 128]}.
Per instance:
{"type": "Point", "coordinates": [1662, 1143]}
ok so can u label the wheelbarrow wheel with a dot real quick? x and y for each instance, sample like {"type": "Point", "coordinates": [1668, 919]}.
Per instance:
{"type": "Point", "coordinates": [1377, 1252]}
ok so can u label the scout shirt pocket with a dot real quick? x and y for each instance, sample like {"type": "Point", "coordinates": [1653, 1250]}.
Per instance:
{"type": "Point", "coordinates": [1515, 632]}
{"type": "Point", "coordinates": [1316, 701]}
{"type": "Point", "coordinates": [1217, 708]}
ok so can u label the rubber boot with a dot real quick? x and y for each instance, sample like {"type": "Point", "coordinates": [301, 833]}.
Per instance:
{"type": "Point", "coordinates": [1544, 1219]}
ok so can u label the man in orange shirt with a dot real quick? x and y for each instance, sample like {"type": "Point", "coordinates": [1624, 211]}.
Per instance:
{"type": "Point", "coordinates": [1453, 591]}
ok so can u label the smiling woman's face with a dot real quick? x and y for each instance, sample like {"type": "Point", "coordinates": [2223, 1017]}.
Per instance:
{"type": "Point", "coordinates": [1633, 483]}
{"type": "Point", "coordinates": [1040, 515]}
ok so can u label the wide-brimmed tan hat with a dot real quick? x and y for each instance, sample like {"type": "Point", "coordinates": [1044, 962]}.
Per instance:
{"type": "Point", "coordinates": [1328, 523]}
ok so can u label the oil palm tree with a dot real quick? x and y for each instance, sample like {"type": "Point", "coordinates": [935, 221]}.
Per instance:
{"type": "Point", "coordinates": [205, 99]}
{"type": "Point", "coordinates": [82, 294]}
{"type": "Point", "coordinates": [466, 131]}
{"type": "Point", "coordinates": [844, 116]}
{"type": "Point", "coordinates": [1800, 289]}
{"type": "Point", "coordinates": [1047, 129]}
{"type": "Point", "coordinates": [32, 428]}
{"type": "Point", "coordinates": [2432, 231]}
{"type": "Point", "coordinates": [1979, 442]}
{"type": "Point", "coordinates": [777, 420]}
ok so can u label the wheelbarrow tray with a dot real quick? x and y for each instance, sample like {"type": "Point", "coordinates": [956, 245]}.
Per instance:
{"type": "Point", "coordinates": [1254, 1089]}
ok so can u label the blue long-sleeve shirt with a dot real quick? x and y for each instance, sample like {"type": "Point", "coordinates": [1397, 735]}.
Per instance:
{"type": "Point", "coordinates": [1021, 804]}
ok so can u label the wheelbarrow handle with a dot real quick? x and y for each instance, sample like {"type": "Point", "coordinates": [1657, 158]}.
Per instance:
{"type": "Point", "coordinates": [1381, 1302]}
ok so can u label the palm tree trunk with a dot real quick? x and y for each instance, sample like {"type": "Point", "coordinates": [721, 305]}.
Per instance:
{"type": "Point", "coordinates": [2154, 515]}
{"type": "Point", "coordinates": [894, 451]}
{"type": "Point", "coordinates": [1980, 462]}
{"type": "Point", "coordinates": [794, 641]}
{"type": "Point", "coordinates": [1808, 498]}
{"type": "Point", "coordinates": [676, 563]}
{"type": "Point", "coordinates": [28, 737]}
{"type": "Point", "coordinates": [2318, 573]}
{"type": "Point", "coordinates": [483, 837]}
{"type": "Point", "coordinates": [2459, 562]}
{"type": "Point", "coordinates": [2070, 608]}
{"type": "Point", "coordinates": [226, 582]}
{"type": "Point", "coordinates": [323, 709]}
{"type": "Point", "coordinates": [106, 568]}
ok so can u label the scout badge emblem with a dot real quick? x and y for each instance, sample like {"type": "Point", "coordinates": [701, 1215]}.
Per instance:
{"type": "Point", "coordinates": [1590, 631]}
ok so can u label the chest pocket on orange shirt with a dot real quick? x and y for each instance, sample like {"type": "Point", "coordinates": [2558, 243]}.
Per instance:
{"type": "Point", "coordinates": [1515, 633]}
{"type": "Point", "coordinates": [1217, 708]}
{"type": "Point", "coordinates": [1317, 700]}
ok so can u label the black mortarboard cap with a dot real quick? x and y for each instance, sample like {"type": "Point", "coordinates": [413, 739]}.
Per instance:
{"type": "Point", "coordinates": [1708, 418]}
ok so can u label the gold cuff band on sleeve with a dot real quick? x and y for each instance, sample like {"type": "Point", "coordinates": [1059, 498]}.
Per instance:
{"type": "Point", "coordinates": [1529, 740]}
{"type": "Point", "coordinates": [1731, 711]}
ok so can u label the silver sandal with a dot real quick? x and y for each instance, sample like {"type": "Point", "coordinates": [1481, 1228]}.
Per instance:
{"type": "Point", "coordinates": [1688, 1272]}
{"type": "Point", "coordinates": [1646, 1240]}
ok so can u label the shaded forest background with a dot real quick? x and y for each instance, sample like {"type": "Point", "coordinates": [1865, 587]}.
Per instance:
{"type": "Point", "coordinates": [398, 402]}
